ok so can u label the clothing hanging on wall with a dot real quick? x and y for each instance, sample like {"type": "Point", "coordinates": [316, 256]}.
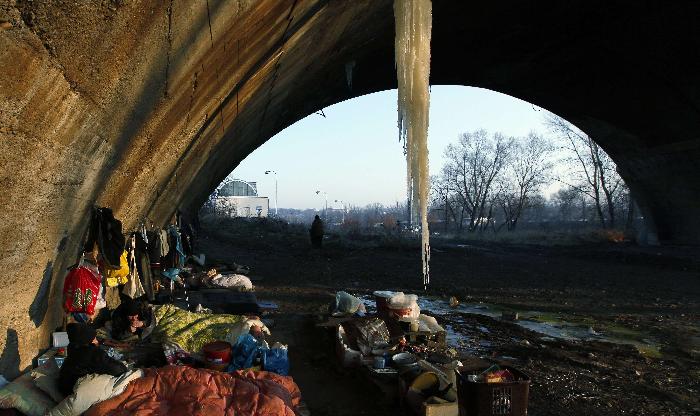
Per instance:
{"type": "Point", "coordinates": [106, 231]}
{"type": "Point", "coordinates": [133, 287]}
{"type": "Point", "coordinates": [143, 266]}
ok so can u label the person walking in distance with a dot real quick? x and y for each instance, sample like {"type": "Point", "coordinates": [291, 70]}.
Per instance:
{"type": "Point", "coordinates": [316, 232]}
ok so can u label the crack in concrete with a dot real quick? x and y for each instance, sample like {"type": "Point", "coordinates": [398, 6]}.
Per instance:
{"type": "Point", "coordinates": [170, 47]}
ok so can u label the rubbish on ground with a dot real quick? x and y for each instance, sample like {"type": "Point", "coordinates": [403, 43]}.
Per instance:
{"type": "Point", "coordinates": [404, 359]}
{"type": "Point", "coordinates": [346, 304]}
{"type": "Point", "coordinates": [510, 316]}
{"type": "Point", "coordinates": [454, 302]}
{"type": "Point", "coordinates": [374, 335]}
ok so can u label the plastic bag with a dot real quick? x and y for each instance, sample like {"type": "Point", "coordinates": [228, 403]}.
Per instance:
{"type": "Point", "coordinates": [346, 304]}
{"type": "Point", "coordinates": [429, 324]}
{"type": "Point", "coordinates": [232, 281]}
{"type": "Point", "coordinates": [244, 352]}
{"type": "Point", "coordinates": [406, 304]}
{"type": "Point", "coordinates": [374, 334]}
{"type": "Point", "coordinates": [81, 289]}
{"type": "Point", "coordinates": [402, 301]}
{"type": "Point", "coordinates": [275, 360]}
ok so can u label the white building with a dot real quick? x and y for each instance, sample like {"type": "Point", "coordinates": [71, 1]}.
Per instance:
{"type": "Point", "coordinates": [238, 198]}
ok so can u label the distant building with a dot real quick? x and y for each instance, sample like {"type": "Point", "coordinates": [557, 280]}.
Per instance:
{"type": "Point", "coordinates": [238, 198]}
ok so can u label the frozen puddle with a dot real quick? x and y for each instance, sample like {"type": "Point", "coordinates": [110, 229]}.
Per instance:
{"type": "Point", "coordinates": [558, 328]}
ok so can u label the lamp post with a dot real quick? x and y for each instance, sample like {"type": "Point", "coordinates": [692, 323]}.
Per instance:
{"type": "Point", "coordinates": [267, 172]}
{"type": "Point", "coordinates": [325, 211]}
{"type": "Point", "coordinates": [338, 200]}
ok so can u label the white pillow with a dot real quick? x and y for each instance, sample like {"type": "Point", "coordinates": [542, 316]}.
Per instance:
{"type": "Point", "coordinates": [91, 389]}
{"type": "Point", "coordinates": [243, 327]}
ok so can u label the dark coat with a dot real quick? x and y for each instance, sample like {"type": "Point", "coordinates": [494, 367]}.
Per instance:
{"type": "Point", "coordinates": [83, 360]}
{"type": "Point", "coordinates": [316, 230]}
{"type": "Point", "coordinates": [121, 324]}
{"type": "Point", "coordinates": [106, 231]}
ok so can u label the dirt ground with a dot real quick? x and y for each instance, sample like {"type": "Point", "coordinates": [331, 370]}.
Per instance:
{"type": "Point", "coordinates": [647, 296]}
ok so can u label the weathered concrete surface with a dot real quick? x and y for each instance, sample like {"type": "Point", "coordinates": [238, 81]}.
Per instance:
{"type": "Point", "coordinates": [145, 106]}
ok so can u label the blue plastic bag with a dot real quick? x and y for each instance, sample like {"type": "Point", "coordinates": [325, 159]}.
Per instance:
{"type": "Point", "coordinates": [275, 360]}
{"type": "Point", "coordinates": [244, 352]}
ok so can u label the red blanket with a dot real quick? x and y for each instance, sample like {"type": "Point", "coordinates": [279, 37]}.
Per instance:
{"type": "Point", "coordinates": [177, 390]}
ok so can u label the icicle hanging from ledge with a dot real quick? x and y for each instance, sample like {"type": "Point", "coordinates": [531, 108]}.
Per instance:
{"type": "Point", "coordinates": [412, 48]}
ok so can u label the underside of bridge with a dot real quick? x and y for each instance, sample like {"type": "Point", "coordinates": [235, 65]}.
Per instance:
{"type": "Point", "coordinates": [146, 106]}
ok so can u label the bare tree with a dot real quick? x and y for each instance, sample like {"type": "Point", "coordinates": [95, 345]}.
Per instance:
{"type": "Point", "coordinates": [472, 166]}
{"type": "Point", "coordinates": [525, 173]}
{"type": "Point", "coordinates": [594, 173]}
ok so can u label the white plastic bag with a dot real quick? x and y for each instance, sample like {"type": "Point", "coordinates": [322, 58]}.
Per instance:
{"type": "Point", "coordinates": [402, 301]}
{"type": "Point", "coordinates": [428, 323]}
{"type": "Point", "coordinates": [346, 304]}
{"type": "Point", "coordinates": [233, 281]}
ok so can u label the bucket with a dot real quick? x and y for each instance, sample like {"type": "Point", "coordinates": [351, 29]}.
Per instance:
{"type": "Point", "coordinates": [379, 362]}
{"type": "Point", "coordinates": [381, 298]}
{"type": "Point", "coordinates": [400, 313]}
{"type": "Point", "coordinates": [217, 352]}
{"type": "Point", "coordinates": [428, 384]}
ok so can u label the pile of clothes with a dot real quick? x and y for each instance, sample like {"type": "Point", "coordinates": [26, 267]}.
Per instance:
{"type": "Point", "coordinates": [113, 266]}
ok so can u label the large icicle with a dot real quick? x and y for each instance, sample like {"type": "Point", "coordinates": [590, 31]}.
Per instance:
{"type": "Point", "coordinates": [412, 47]}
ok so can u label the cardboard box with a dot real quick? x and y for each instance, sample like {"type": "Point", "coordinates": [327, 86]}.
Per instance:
{"type": "Point", "coordinates": [441, 409]}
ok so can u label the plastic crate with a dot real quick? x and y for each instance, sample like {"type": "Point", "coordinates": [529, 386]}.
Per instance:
{"type": "Point", "coordinates": [493, 399]}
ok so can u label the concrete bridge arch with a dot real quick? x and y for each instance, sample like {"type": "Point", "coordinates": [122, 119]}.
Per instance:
{"type": "Point", "coordinates": [146, 106]}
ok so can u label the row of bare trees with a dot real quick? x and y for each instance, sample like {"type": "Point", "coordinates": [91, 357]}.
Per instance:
{"type": "Point", "coordinates": [490, 181]}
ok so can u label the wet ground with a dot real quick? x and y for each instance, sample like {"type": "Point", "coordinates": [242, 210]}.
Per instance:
{"type": "Point", "coordinates": [604, 329]}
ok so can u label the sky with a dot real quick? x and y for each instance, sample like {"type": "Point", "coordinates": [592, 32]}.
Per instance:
{"type": "Point", "coordinates": [354, 155]}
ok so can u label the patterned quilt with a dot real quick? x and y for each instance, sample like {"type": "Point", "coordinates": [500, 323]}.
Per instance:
{"type": "Point", "coordinates": [191, 331]}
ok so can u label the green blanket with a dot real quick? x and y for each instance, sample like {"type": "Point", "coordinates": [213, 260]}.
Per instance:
{"type": "Point", "coordinates": [189, 330]}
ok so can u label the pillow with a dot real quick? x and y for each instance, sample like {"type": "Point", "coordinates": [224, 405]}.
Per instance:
{"type": "Point", "coordinates": [46, 379]}
{"type": "Point", "coordinates": [91, 389]}
{"type": "Point", "coordinates": [24, 396]}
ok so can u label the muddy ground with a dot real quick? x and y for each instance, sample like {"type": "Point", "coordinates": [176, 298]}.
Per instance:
{"type": "Point", "coordinates": [646, 300]}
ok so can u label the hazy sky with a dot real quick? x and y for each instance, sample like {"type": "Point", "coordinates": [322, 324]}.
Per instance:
{"type": "Point", "coordinates": [354, 153]}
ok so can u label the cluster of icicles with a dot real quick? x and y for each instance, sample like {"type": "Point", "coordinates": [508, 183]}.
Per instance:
{"type": "Point", "coordinates": [412, 48]}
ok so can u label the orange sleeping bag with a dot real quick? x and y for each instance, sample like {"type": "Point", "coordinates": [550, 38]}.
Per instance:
{"type": "Point", "coordinates": [185, 391]}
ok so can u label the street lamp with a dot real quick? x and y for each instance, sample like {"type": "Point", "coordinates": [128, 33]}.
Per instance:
{"type": "Point", "coordinates": [338, 200]}
{"type": "Point", "coordinates": [325, 211]}
{"type": "Point", "coordinates": [267, 172]}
